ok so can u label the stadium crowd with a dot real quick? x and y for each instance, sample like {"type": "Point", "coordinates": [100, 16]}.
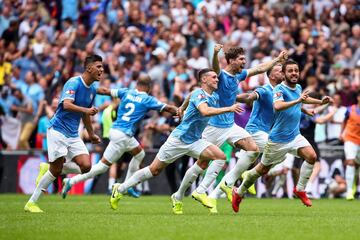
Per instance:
{"type": "Point", "coordinates": [44, 43]}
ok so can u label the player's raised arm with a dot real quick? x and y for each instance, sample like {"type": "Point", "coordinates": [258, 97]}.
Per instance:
{"type": "Point", "coordinates": [207, 111]}
{"type": "Point", "coordinates": [247, 97]}
{"type": "Point", "coordinates": [215, 60]}
{"type": "Point", "coordinates": [263, 67]}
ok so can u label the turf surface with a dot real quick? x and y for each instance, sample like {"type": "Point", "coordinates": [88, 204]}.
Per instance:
{"type": "Point", "coordinates": [90, 217]}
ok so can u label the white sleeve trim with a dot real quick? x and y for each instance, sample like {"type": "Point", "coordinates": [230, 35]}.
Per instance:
{"type": "Point", "coordinates": [197, 106]}
{"type": "Point", "coordinates": [162, 108]}
{"type": "Point", "coordinates": [68, 98]}
{"type": "Point", "coordinates": [114, 93]}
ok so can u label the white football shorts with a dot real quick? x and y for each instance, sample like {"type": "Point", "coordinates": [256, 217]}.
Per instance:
{"type": "Point", "coordinates": [218, 136]}
{"type": "Point", "coordinates": [174, 148]}
{"type": "Point", "coordinates": [275, 153]}
{"type": "Point", "coordinates": [61, 146]}
{"type": "Point", "coordinates": [118, 145]}
{"type": "Point", "coordinates": [352, 151]}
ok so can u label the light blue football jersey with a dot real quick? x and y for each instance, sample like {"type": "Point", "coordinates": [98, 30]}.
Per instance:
{"type": "Point", "coordinates": [193, 123]}
{"type": "Point", "coordinates": [132, 108]}
{"type": "Point", "coordinates": [228, 88]}
{"type": "Point", "coordinates": [262, 114]}
{"type": "Point", "coordinates": [68, 122]}
{"type": "Point", "coordinates": [286, 122]}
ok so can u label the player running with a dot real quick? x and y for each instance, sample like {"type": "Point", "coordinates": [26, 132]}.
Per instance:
{"type": "Point", "coordinates": [221, 128]}
{"type": "Point", "coordinates": [185, 139]}
{"type": "Point", "coordinates": [285, 136]}
{"type": "Point", "coordinates": [259, 125]}
{"type": "Point", "coordinates": [67, 153]}
{"type": "Point", "coordinates": [351, 137]}
{"type": "Point", "coordinates": [132, 109]}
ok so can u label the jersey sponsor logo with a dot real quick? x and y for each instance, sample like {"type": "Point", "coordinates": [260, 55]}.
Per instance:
{"type": "Point", "coordinates": [71, 92]}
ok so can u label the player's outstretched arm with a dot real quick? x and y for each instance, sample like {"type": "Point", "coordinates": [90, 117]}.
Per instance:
{"type": "Point", "coordinates": [324, 101]}
{"type": "Point", "coordinates": [280, 105]}
{"type": "Point", "coordinates": [310, 112]}
{"type": "Point", "coordinates": [71, 107]}
{"type": "Point", "coordinates": [103, 91]}
{"type": "Point", "coordinates": [171, 109]}
{"type": "Point", "coordinates": [327, 118]}
{"type": "Point", "coordinates": [263, 67]}
{"type": "Point", "coordinates": [246, 97]}
{"type": "Point", "coordinates": [215, 60]}
{"type": "Point", "coordinates": [207, 111]}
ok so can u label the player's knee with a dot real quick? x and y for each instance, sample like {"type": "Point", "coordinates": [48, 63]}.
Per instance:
{"type": "Point", "coordinates": [312, 158]}
{"type": "Point", "coordinates": [253, 154]}
{"type": "Point", "coordinates": [350, 163]}
{"type": "Point", "coordinates": [155, 170]}
{"type": "Point", "coordinates": [252, 147]}
{"type": "Point", "coordinates": [220, 156]}
{"type": "Point", "coordinates": [55, 172]}
{"type": "Point", "coordinates": [85, 168]}
{"type": "Point", "coordinates": [203, 164]}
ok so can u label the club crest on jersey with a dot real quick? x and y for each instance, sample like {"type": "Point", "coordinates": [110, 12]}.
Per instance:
{"type": "Point", "coordinates": [71, 92]}
{"type": "Point", "coordinates": [91, 96]}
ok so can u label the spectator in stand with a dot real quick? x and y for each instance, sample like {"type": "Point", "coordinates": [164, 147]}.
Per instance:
{"type": "Point", "coordinates": [347, 94]}
{"type": "Point", "coordinates": [44, 121]}
{"type": "Point", "coordinates": [196, 61]}
{"type": "Point", "coordinates": [351, 137]}
{"type": "Point", "coordinates": [5, 70]}
{"type": "Point", "coordinates": [333, 127]}
{"type": "Point", "coordinates": [25, 112]}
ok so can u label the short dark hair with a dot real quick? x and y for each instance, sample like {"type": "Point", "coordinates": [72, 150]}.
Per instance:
{"type": "Point", "coordinates": [204, 71]}
{"type": "Point", "coordinates": [91, 59]}
{"type": "Point", "coordinates": [68, 20]}
{"type": "Point", "coordinates": [233, 53]}
{"type": "Point", "coordinates": [14, 90]}
{"type": "Point", "coordinates": [144, 80]}
{"type": "Point", "coordinates": [288, 62]}
{"type": "Point", "coordinates": [272, 68]}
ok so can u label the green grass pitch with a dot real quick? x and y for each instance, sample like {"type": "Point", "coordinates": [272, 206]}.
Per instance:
{"type": "Point", "coordinates": [90, 217]}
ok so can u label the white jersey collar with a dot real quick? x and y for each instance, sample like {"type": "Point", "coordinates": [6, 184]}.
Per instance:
{"type": "Point", "coordinates": [288, 86]}
{"type": "Point", "coordinates": [84, 82]}
{"type": "Point", "coordinates": [228, 73]}
{"type": "Point", "coordinates": [141, 92]}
